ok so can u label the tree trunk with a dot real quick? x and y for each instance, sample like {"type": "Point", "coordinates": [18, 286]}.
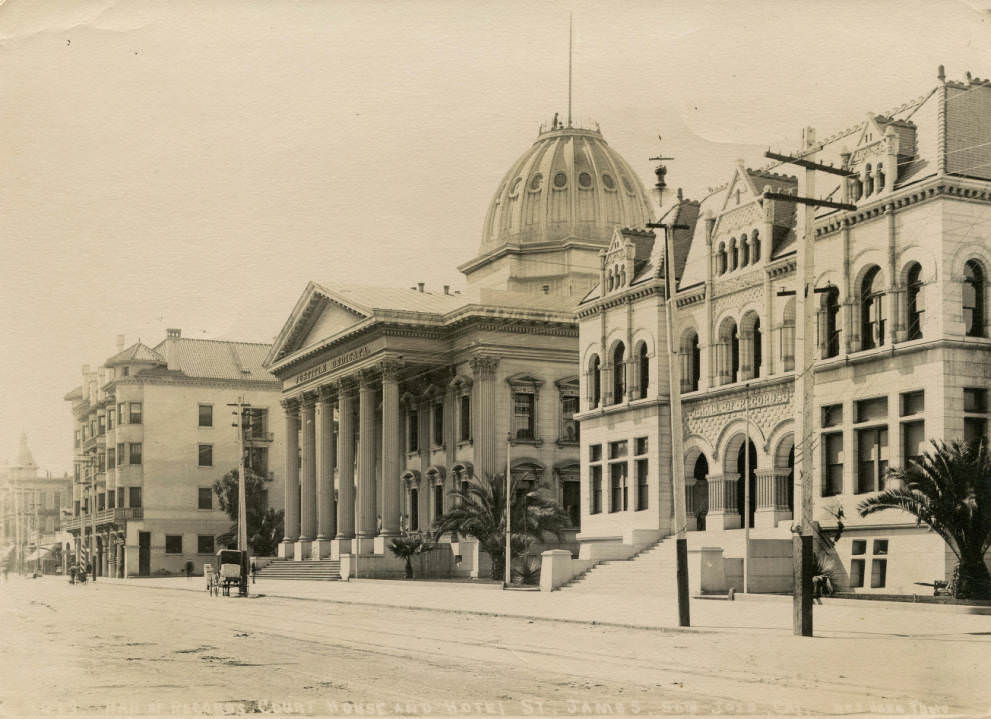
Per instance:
{"type": "Point", "coordinates": [409, 568]}
{"type": "Point", "coordinates": [973, 579]}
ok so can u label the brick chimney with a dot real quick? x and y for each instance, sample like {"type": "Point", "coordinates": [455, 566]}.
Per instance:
{"type": "Point", "coordinates": [120, 342]}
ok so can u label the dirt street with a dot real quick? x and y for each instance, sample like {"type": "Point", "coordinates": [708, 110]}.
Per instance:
{"type": "Point", "coordinates": [102, 650]}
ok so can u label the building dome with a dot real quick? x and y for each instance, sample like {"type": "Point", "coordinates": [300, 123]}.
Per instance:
{"type": "Point", "coordinates": [568, 185]}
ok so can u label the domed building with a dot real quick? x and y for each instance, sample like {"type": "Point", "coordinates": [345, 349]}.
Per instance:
{"type": "Point", "coordinates": [553, 212]}
{"type": "Point", "coordinates": [396, 397]}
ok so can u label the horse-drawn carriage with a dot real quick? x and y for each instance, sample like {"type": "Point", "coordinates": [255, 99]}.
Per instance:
{"type": "Point", "coordinates": [227, 573]}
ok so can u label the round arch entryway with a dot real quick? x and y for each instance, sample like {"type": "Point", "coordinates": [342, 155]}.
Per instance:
{"type": "Point", "coordinates": [700, 491]}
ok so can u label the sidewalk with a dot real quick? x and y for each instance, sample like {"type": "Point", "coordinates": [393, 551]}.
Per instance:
{"type": "Point", "coordinates": [836, 617]}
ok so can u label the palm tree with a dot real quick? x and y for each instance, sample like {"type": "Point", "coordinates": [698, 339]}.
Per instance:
{"type": "Point", "coordinates": [405, 546]}
{"type": "Point", "coordinates": [480, 512]}
{"type": "Point", "coordinates": [949, 490]}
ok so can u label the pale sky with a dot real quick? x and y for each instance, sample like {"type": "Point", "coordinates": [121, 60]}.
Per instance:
{"type": "Point", "coordinates": [194, 164]}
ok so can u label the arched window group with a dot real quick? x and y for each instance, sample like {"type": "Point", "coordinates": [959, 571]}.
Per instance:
{"type": "Point", "coordinates": [618, 373]}
{"type": "Point", "coordinates": [829, 332]}
{"type": "Point", "coordinates": [616, 278]}
{"type": "Point", "coordinates": [728, 352]}
{"type": "Point", "coordinates": [739, 252]}
{"type": "Point", "coordinates": [691, 361]}
{"type": "Point", "coordinates": [915, 302]}
{"type": "Point", "coordinates": [643, 371]}
{"type": "Point", "coordinates": [870, 181]}
{"type": "Point", "coordinates": [871, 310]}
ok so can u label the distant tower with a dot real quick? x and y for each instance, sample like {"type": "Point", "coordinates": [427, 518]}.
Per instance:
{"type": "Point", "coordinates": [24, 456]}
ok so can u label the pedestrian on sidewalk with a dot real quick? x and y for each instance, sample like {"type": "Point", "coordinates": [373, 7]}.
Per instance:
{"type": "Point", "coordinates": [254, 571]}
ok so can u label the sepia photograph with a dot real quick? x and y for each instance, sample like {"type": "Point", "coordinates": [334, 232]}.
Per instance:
{"type": "Point", "coordinates": [424, 358]}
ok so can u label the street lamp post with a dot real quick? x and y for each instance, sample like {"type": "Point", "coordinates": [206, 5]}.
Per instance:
{"type": "Point", "coordinates": [242, 421]}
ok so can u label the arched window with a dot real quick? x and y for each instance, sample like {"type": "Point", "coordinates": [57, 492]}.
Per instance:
{"type": "Point", "coordinates": [880, 177]}
{"type": "Point", "coordinates": [755, 246]}
{"type": "Point", "coordinates": [691, 361]}
{"type": "Point", "coordinates": [594, 382]}
{"type": "Point", "coordinates": [618, 373]}
{"type": "Point", "coordinates": [744, 251]}
{"type": "Point", "coordinates": [756, 350]}
{"type": "Point", "coordinates": [609, 281]}
{"type": "Point", "coordinates": [734, 367]}
{"type": "Point", "coordinates": [644, 366]}
{"type": "Point", "coordinates": [973, 299]}
{"type": "Point", "coordinates": [868, 181]}
{"type": "Point", "coordinates": [871, 313]}
{"type": "Point", "coordinates": [734, 255]}
{"type": "Point", "coordinates": [915, 301]}
{"type": "Point", "coordinates": [721, 259]}
{"type": "Point", "coordinates": [829, 335]}
{"type": "Point", "coordinates": [622, 277]}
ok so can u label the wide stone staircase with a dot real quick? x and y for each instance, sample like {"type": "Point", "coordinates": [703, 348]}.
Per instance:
{"type": "Point", "coordinates": [319, 570]}
{"type": "Point", "coordinates": [652, 571]}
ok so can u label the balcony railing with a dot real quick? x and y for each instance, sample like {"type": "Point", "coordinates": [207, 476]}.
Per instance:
{"type": "Point", "coordinates": [259, 437]}
{"type": "Point", "coordinates": [118, 515]}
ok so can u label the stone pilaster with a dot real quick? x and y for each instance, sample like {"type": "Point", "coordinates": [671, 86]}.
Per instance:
{"type": "Point", "coordinates": [345, 469]}
{"type": "Point", "coordinates": [772, 498]}
{"type": "Point", "coordinates": [722, 512]}
{"type": "Point", "coordinates": [291, 533]}
{"type": "Point", "coordinates": [484, 401]}
{"type": "Point", "coordinates": [326, 458]}
{"type": "Point", "coordinates": [365, 505]}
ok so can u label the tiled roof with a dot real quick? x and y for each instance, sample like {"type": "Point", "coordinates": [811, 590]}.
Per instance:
{"type": "Point", "coordinates": [395, 298]}
{"type": "Point", "coordinates": [138, 352]}
{"type": "Point", "coordinates": [215, 359]}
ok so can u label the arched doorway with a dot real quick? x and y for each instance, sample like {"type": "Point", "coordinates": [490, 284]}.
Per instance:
{"type": "Point", "coordinates": [791, 480]}
{"type": "Point", "coordinates": [700, 491]}
{"type": "Point", "coordinates": [740, 487]}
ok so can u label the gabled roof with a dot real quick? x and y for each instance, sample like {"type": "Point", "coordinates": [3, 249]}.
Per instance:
{"type": "Point", "coordinates": [74, 394]}
{"type": "Point", "coordinates": [215, 359]}
{"type": "Point", "coordinates": [138, 352]}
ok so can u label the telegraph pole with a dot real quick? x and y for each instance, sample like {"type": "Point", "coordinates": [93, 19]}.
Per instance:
{"type": "Point", "coordinates": [805, 379]}
{"type": "Point", "coordinates": [241, 414]}
{"type": "Point", "coordinates": [674, 392]}
{"type": "Point", "coordinates": [508, 578]}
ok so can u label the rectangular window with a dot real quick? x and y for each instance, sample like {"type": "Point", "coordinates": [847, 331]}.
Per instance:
{"type": "Point", "coordinates": [111, 499]}
{"type": "Point", "coordinates": [101, 502]}
{"type": "Point", "coordinates": [857, 572]}
{"type": "Point", "coordinates": [879, 571]}
{"type": "Point", "coordinates": [913, 440]}
{"type": "Point", "coordinates": [569, 425]}
{"type": "Point", "coordinates": [880, 546]}
{"type": "Point", "coordinates": [438, 424]}
{"type": "Point", "coordinates": [413, 431]}
{"type": "Point", "coordinates": [101, 424]}
{"type": "Point", "coordinates": [618, 449]}
{"type": "Point", "coordinates": [75, 508]}
{"type": "Point", "coordinates": [832, 415]}
{"type": "Point", "coordinates": [523, 415]}
{"type": "Point", "coordinates": [832, 480]}
{"type": "Point", "coordinates": [120, 496]}
{"type": "Point", "coordinates": [110, 418]}
{"type": "Point", "coordinates": [258, 460]}
{"type": "Point", "coordinates": [595, 453]}
{"type": "Point", "coordinates": [974, 429]}
{"type": "Point", "coordinates": [640, 445]}
{"type": "Point", "coordinates": [913, 403]}
{"type": "Point", "coordinates": [858, 546]}
{"type": "Point", "coordinates": [204, 544]}
{"type": "Point", "coordinates": [465, 417]}
{"type": "Point", "coordinates": [135, 413]}
{"type": "Point", "coordinates": [206, 415]}
{"type": "Point", "coordinates": [596, 482]}
{"type": "Point", "coordinates": [975, 400]}
{"type": "Point", "coordinates": [121, 457]}
{"type": "Point", "coordinates": [869, 410]}
{"type": "Point", "coordinates": [135, 454]}
{"type": "Point", "coordinates": [258, 423]}
{"type": "Point", "coordinates": [111, 458]}
{"type": "Point", "coordinates": [120, 413]}
{"type": "Point", "coordinates": [642, 490]}
{"type": "Point", "coordinates": [173, 544]}
{"type": "Point", "coordinates": [872, 459]}
{"type": "Point", "coordinates": [205, 498]}
{"type": "Point", "coordinates": [134, 498]}
{"type": "Point", "coordinates": [438, 501]}
{"type": "Point", "coordinates": [617, 486]}
{"type": "Point", "coordinates": [206, 455]}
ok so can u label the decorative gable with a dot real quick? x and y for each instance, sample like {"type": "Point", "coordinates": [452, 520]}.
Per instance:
{"type": "Point", "coordinates": [319, 314]}
{"type": "Point", "coordinates": [741, 191]}
{"type": "Point", "coordinates": [330, 319]}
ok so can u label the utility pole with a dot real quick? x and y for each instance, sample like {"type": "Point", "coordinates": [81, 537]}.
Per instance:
{"type": "Point", "coordinates": [508, 578]}
{"type": "Point", "coordinates": [805, 378]}
{"type": "Point", "coordinates": [241, 412]}
{"type": "Point", "coordinates": [17, 528]}
{"type": "Point", "coordinates": [674, 393]}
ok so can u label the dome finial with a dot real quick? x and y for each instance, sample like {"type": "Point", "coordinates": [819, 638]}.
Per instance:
{"type": "Point", "coordinates": [571, 56]}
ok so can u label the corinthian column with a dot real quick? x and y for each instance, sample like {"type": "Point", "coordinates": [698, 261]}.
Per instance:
{"type": "Point", "coordinates": [308, 479]}
{"type": "Point", "coordinates": [345, 469]}
{"type": "Point", "coordinates": [325, 457]}
{"type": "Point", "coordinates": [366, 464]}
{"type": "Point", "coordinates": [291, 534]}
{"type": "Point", "coordinates": [484, 368]}
{"type": "Point", "coordinates": [391, 418]}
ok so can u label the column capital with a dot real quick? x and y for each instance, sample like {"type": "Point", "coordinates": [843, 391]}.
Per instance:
{"type": "Point", "coordinates": [390, 369]}
{"type": "Point", "coordinates": [345, 386]}
{"type": "Point", "coordinates": [326, 393]}
{"type": "Point", "coordinates": [308, 400]}
{"type": "Point", "coordinates": [367, 378]}
{"type": "Point", "coordinates": [484, 365]}
{"type": "Point", "coordinates": [290, 405]}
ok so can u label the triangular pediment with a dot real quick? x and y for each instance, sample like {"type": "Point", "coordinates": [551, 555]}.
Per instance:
{"type": "Point", "coordinates": [617, 242]}
{"type": "Point", "coordinates": [320, 314]}
{"type": "Point", "coordinates": [870, 133]}
{"type": "Point", "coordinates": [741, 190]}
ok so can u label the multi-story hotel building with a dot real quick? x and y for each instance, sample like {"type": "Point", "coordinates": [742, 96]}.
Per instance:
{"type": "Point", "coordinates": [153, 433]}
{"type": "Point", "coordinates": [902, 349]}
{"type": "Point", "coordinates": [397, 395]}
{"type": "Point", "coordinates": [31, 507]}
